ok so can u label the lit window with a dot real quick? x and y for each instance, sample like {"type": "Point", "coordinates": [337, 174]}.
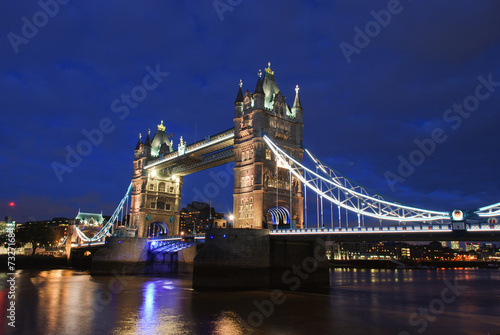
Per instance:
{"type": "Point", "coordinates": [268, 154]}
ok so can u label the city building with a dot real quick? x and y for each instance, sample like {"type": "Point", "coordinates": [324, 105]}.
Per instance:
{"type": "Point", "coordinates": [198, 216]}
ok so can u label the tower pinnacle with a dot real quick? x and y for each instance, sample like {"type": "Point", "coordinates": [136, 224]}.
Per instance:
{"type": "Point", "coordinates": [239, 97]}
{"type": "Point", "coordinates": [161, 127]}
{"type": "Point", "coordinates": [268, 69]}
{"type": "Point", "coordinates": [296, 103]}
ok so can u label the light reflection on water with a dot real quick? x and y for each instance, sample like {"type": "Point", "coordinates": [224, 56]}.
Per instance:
{"type": "Point", "coordinates": [358, 302]}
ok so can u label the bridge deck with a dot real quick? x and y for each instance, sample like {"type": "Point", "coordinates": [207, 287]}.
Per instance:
{"type": "Point", "coordinates": [441, 232]}
{"type": "Point", "coordinates": [212, 151]}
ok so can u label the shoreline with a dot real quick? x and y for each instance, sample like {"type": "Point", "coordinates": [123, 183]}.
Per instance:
{"type": "Point", "coordinates": [411, 264]}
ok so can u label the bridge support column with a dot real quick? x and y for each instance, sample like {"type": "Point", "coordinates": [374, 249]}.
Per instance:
{"type": "Point", "coordinates": [252, 259]}
{"type": "Point", "coordinates": [298, 264]}
{"type": "Point", "coordinates": [123, 255]}
{"type": "Point", "coordinates": [233, 259]}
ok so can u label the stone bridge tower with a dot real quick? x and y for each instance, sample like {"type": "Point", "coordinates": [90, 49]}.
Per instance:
{"type": "Point", "coordinates": [156, 194]}
{"type": "Point", "coordinates": [266, 195]}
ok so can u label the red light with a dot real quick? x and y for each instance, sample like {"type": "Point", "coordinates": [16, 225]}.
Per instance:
{"type": "Point", "coordinates": [11, 204]}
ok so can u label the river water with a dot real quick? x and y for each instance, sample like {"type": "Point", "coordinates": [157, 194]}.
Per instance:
{"type": "Point", "coordinates": [451, 301]}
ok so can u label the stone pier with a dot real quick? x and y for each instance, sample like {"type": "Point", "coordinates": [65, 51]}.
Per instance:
{"type": "Point", "coordinates": [130, 255]}
{"type": "Point", "coordinates": [252, 259]}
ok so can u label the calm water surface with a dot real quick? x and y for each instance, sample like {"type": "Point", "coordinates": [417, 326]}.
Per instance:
{"type": "Point", "coordinates": [460, 301]}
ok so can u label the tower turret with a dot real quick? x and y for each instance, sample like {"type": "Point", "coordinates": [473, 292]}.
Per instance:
{"type": "Point", "coordinates": [238, 103]}
{"type": "Point", "coordinates": [259, 93]}
{"type": "Point", "coordinates": [139, 144]}
{"type": "Point", "coordinates": [297, 106]}
{"type": "Point", "coordinates": [266, 196]}
{"type": "Point", "coordinates": [147, 145]}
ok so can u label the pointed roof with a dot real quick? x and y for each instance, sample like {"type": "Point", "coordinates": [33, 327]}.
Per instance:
{"type": "Point", "coordinates": [148, 139]}
{"type": "Point", "coordinates": [258, 87]}
{"type": "Point", "coordinates": [269, 87]}
{"type": "Point", "coordinates": [239, 97]}
{"type": "Point", "coordinates": [87, 217]}
{"type": "Point", "coordinates": [138, 146]}
{"type": "Point", "coordinates": [159, 139]}
{"type": "Point", "coordinates": [296, 103]}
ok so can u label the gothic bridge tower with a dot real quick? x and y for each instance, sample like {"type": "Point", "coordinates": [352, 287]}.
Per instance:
{"type": "Point", "coordinates": [266, 195]}
{"type": "Point", "coordinates": [156, 194]}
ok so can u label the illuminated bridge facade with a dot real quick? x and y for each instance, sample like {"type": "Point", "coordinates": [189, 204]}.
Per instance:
{"type": "Point", "coordinates": [275, 181]}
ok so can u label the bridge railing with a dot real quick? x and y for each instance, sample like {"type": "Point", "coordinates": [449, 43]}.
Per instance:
{"type": "Point", "coordinates": [386, 229]}
{"type": "Point", "coordinates": [178, 238]}
{"type": "Point", "coordinates": [214, 138]}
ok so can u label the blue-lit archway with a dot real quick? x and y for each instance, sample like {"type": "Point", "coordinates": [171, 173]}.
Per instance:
{"type": "Point", "coordinates": [156, 229]}
{"type": "Point", "coordinates": [280, 216]}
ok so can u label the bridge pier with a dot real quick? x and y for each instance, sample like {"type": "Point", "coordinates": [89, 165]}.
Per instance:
{"type": "Point", "coordinates": [252, 259]}
{"type": "Point", "coordinates": [125, 255]}
{"type": "Point", "coordinates": [298, 264]}
{"type": "Point", "coordinates": [131, 255]}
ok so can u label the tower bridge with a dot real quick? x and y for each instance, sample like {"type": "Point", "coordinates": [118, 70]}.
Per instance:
{"type": "Point", "coordinates": [273, 181]}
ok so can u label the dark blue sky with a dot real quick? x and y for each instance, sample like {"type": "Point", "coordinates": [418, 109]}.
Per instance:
{"type": "Point", "coordinates": [361, 115]}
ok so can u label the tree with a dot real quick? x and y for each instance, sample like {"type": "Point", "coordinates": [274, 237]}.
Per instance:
{"type": "Point", "coordinates": [38, 234]}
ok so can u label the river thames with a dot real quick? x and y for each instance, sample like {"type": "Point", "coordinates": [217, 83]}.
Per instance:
{"type": "Point", "coordinates": [441, 301]}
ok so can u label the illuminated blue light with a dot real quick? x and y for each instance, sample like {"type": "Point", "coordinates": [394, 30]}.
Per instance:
{"type": "Point", "coordinates": [119, 242]}
{"type": "Point", "coordinates": [211, 236]}
{"type": "Point", "coordinates": [224, 236]}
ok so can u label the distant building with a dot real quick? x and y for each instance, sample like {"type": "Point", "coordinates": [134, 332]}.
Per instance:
{"type": "Point", "coordinates": [198, 216]}
{"type": "Point", "coordinates": [471, 246]}
{"type": "Point", "coordinates": [88, 223]}
{"type": "Point", "coordinates": [455, 245]}
{"type": "Point", "coordinates": [89, 219]}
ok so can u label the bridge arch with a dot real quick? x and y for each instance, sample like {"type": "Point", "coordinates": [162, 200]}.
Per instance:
{"type": "Point", "coordinates": [278, 216]}
{"type": "Point", "coordinates": [156, 229]}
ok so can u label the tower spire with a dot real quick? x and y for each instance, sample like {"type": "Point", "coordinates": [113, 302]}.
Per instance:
{"type": "Point", "coordinates": [148, 139]}
{"type": "Point", "coordinates": [259, 88]}
{"type": "Point", "coordinates": [296, 103]}
{"type": "Point", "coordinates": [161, 127]}
{"type": "Point", "coordinates": [268, 70]}
{"type": "Point", "coordinates": [239, 97]}
{"type": "Point", "coordinates": [138, 146]}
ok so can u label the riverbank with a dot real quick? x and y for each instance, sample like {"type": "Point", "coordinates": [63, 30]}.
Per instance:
{"type": "Point", "coordinates": [409, 264]}
{"type": "Point", "coordinates": [35, 262]}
